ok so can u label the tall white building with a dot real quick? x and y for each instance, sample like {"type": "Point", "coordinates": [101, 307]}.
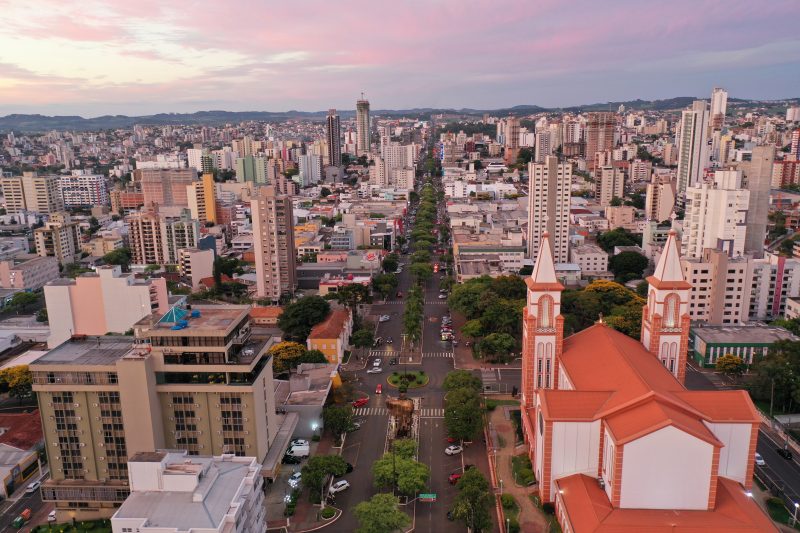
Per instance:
{"type": "Point", "coordinates": [716, 216]}
{"type": "Point", "coordinates": [660, 198]}
{"type": "Point", "coordinates": [610, 184]}
{"type": "Point", "coordinates": [548, 206]}
{"type": "Point", "coordinates": [362, 126]}
{"type": "Point", "coordinates": [310, 169]}
{"type": "Point", "coordinates": [83, 190]}
{"type": "Point", "coordinates": [719, 106]}
{"type": "Point", "coordinates": [543, 145]}
{"type": "Point", "coordinates": [692, 147]}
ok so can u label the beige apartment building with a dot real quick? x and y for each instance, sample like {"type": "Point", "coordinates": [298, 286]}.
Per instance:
{"type": "Point", "coordinates": [273, 243]}
{"type": "Point", "coordinates": [59, 238]}
{"type": "Point", "coordinates": [32, 192]}
{"type": "Point", "coordinates": [156, 239]}
{"type": "Point", "coordinates": [202, 198]}
{"type": "Point", "coordinates": [28, 274]}
{"type": "Point", "coordinates": [192, 379]}
{"type": "Point", "coordinates": [196, 264]}
{"type": "Point", "coordinates": [165, 186]}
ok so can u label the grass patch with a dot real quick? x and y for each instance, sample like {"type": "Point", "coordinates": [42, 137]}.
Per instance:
{"type": "Point", "coordinates": [778, 511]}
{"type": "Point", "coordinates": [95, 526]}
{"type": "Point", "coordinates": [328, 513]}
{"type": "Point", "coordinates": [516, 419]}
{"type": "Point", "coordinates": [523, 470]}
{"type": "Point", "coordinates": [510, 512]}
{"type": "Point", "coordinates": [491, 405]}
{"type": "Point", "coordinates": [413, 379]}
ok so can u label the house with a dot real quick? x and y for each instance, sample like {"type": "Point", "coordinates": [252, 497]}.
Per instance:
{"type": "Point", "coordinates": [20, 439]}
{"type": "Point", "coordinates": [332, 335]}
{"type": "Point", "coordinates": [265, 316]}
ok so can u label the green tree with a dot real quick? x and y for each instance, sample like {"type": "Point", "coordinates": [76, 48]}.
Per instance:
{"type": "Point", "coordinates": [407, 474]}
{"type": "Point", "coordinates": [299, 317]}
{"type": "Point", "coordinates": [405, 448]}
{"type": "Point", "coordinates": [390, 263]}
{"type": "Point", "coordinates": [628, 265]}
{"type": "Point", "coordinates": [286, 355]}
{"type": "Point", "coordinates": [617, 237]}
{"type": "Point", "coordinates": [421, 272]}
{"type": "Point", "coordinates": [324, 192]}
{"type": "Point", "coordinates": [472, 328]}
{"type": "Point", "coordinates": [18, 380]}
{"type": "Point", "coordinates": [317, 470]}
{"type": "Point", "coordinates": [422, 256]}
{"type": "Point", "coordinates": [461, 379]}
{"type": "Point", "coordinates": [384, 284]}
{"type": "Point", "coordinates": [510, 287]}
{"type": "Point", "coordinates": [338, 419]}
{"type": "Point", "coordinates": [731, 365]}
{"type": "Point", "coordinates": [380, 514]}
{"type": "Point", "coordinates": [616, 201]}
{"type": "Point", "coordinates": [94, 225]}
{"type": "Point", "coordinates": [462, 414]}
{"type": "Point", "coordinates": [21, 300]}
{"type": "Point", "coordinates": [120, 256]}
{"type": "Point", "coordinates": [474, 501]}
{"type": "Point", "coordinates": [351, 296]}
{"type": "Point", "coordinates": [498, 345]}
{"type": "Point", "coordinates": [362, 338]}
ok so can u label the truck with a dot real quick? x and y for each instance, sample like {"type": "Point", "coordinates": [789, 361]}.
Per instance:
{"type": "Point", "coordinates": [298, 451]}
{"type": "Point", "coordinates": [22, 519]}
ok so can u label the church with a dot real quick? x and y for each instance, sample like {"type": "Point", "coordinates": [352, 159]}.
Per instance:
{"type": "Point", "coordinates": [616, 441]}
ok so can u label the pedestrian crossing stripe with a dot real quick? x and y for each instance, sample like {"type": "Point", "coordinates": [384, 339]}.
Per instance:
{"type": "Point", "coordinates": [438, 354]}
{"type": "Point", "coordinates": [436, 302]}
{"type": "Point", "coordinates": [382, 353]}
{"type": "Point", "coordinates": [370, 411]}
{"type": "Point", "coordinates": [432, 412]}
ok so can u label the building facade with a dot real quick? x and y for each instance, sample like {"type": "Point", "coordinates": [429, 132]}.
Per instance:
{"type": "Point", "coordinates": [273, 243]}
{"type": "Point", "coordinates": [333, 137]}
{"type": "Point", "coordinates": [28, 274]}
{"type": "Point", "coordinates": [59, 238]}
{"type": "Point", "coordinates": [692, 145]}
{"type": "Point", "coordinates": [548, 207]}
{"type": "Point", "coordinates": [83, 190]}
{"type": "Point", "coordinates": [32, 192]}
{"type": "Point", "coordinates": [363, 127]}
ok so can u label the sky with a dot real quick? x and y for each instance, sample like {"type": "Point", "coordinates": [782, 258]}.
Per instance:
{"type": "Point", "coordinates": [97, 57]}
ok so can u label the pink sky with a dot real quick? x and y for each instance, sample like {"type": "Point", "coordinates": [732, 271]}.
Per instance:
{"type": "Point", "coordinates": [96, 57]}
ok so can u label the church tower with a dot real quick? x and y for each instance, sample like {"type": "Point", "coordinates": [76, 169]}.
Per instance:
{"type": "Point", "coordinates": [665, 318]}
{"type": "Point", "coordinates": [542, 327]}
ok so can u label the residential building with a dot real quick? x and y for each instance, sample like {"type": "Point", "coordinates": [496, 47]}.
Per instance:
{"type": "Point", "coordinates": [172, 491]}
{"type": "Point", "coordinates": [792, 308]}
{"type": "Point", "coordinates": [599, 406]}
{"type": "Point", "coordinates": [156, 239]}
{"type": "Point", "coordinates": [659, 198]}
{"type": "Point", "coordinates": [123, 202]}
{"type": "Point", "coordinates": [692, 148]}
{"type": "Point", "coordinates": [641, 171]}
{"type": "Point", "coordinates": [32, 192]}
{"type": "Point", "coordinates": [756, 178]}
{"type": "Point", "coordinates": [164, 187]}
{"type": "Point", "coordinates": [91, 303]}
{"type": "Point", "coordinates": [716, 215]}
{"type": "Point", "coordinates": [621, 216]}
{"type": "Point", "coordinates": [192, 379]}
{"type": "Point", "coordinates": [83, 190]}
{"type": "Point", "coordinates": [310, 169]}
{"type": "Point", "coordinates": [721, 287]}
{"type": "Point", "coordinates": [273, 241]}
{"type": "Point", "coordinates": [610, 184]}
{"type": "Point", "coordinates": [258, 170]}
{"type": "Point", "coordinates": [600, 128]}
{"type": "Point", "coordinates": [60, 238]}
{"type": "Point", "coordinates": [333, 138]}
{"type": "Point", "coordinates": [202, 198]}
{"type": "Point", "coordinates": [543, 146]}
{"type": "Point", "coordinates": [719, 106]}
{"type": "Point", "coordinates": [100, 246]}
{"type": "Point", "coordinates": [591, 258]}
{"type": "Point", "coordinates": [28, 273]}
{"type": "Point", "coordinates": [332, 335]}
{"type": "Point", "coordinates": [511, 140]}
{"type": "Point", "coordinates": [749, 342]}
{"type": "Point", "coordinates": [195, 264]}
{"type": "Point", "coordinates": [548, 208]}
{"type": "Point", "coordinates": [775, 279]}
{"type": "Point", "coordinates": [363, 127]}
{"type": "Point", "coordinates": [785, 172]}
{"type": "Point", "coordinates": [265, 316]}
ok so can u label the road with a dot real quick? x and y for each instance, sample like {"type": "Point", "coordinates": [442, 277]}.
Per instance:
{"type": "Point", "coordinates": [11, 510]}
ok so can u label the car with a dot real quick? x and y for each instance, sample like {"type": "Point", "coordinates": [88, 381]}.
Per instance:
{"type": "Point", "coordinates": [393, 361]}
{"type": "Point", "coordinates": [451, 440]}
{"type": "Point", "coordinates": [446, 328]}
{"type": "Point", "coordinates": [291, 460]}
{"type": "Point", "coordinates": [453, 449]}
{"type": "Point", "coordinates": [442, 296]}
{"type": "Point", "coordinates": [355, 426]}
{"type": "Point", "coordinates": [379, 389]}
{"type": "Point", "coordinates": [375, 370]}
{"type": "Point", "coordinates": [760, 460]}
{"type": "Point", "coordinates": [51, 516]}
{"type": "Point", "coordinates": [339, 486]}
{"type": "Point", "coordinates": [376, 363]}
{"type": "Point", "coordinates": [349, 469]}
{"type": "Point", "coordinates": [453, 479]}
{"type": "Point", "coordinates": [384, 318]}
{"type": "Point", "coordinates": [389, 340]}
{"type": "Point", "coordinates": [294, 479]}
{"type": "Point", "coordinates": [298, 442]}
{"type": "Point", "coordinates": [33, 487]}
{"type": "Point", "coordinates": [785, 453]}
{"type": "Point", "coordinates": [443, 291]}
{"type": "Point", "coordinates": [399, 294]}
{"type": "Point", "coordinates": [361, 402]}
{"type": "Point", "coordinates": [377, 342]}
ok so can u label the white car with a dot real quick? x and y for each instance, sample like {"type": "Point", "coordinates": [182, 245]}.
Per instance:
{"type": "Point", "coordinates": [760, 460]}
{"type": "Point", "coordinates": [442, 296]}
{"type": "Point", "coordinates": [298, 442]}
{"type": "Point", "coordinates": [51, 516]}
{"type": "Point", "coordinates": [339, 486]}
{"type": "Point", "coordinates": [453, 450]}
{"type": "Point", "coordinates": [294, 479]}
{"type": "Point", "coordinates": [376, 363]}
{"type": "Point", "coordinates": [384, 318]}
{"type": "Point", "coordinates": [375, 370]}
{"type": "Point", "coordinates": [33, 487]}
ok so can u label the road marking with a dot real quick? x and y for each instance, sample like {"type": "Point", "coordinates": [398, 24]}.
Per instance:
{"type": "Point", "coordinates": [437, 412]}
{"type": "Point", "coordinates": [436, 302]}
{"type": "Point", "coordinates": [382, 353]}
{"type": "Point", "coordinates": [438, 354]}
{"type": "Point", "coordinates": [370, 411]}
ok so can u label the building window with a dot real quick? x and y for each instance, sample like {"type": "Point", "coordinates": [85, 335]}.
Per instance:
{"type": "Point", "coordinates": [671, 308]}
{"type": "Point", "coordinates": [546, 311]}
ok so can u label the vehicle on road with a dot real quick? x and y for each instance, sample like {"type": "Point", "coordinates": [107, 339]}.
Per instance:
{"type": "Point", "coordinates": [299, 451]}
{"type": "Point", "coordinates": [384, 318]}
{"type": "Point", "coordinates": [361, 402]}
{"type": "Point", "coordinates": [33, 487]}
{"type": "Point", "coordinates": [450, 516]}
{"type": "Point", "coordinates": [294, 479]}
{"type": "Point", "coordinates": [453, 479]}
{"type": "Point", "coordinates": [376, 363]}
{"type": "Point", "coordinates": [379, 389]}
{"type": "Point", "coordinates": [298, 442]}
{"type": "Point", "coordinates": [399, 294]}
{"type": "Point", "coordinates": [453, 449]}
{"type": "Point", "coordinates": [339, 486]}
{"type": "Point", "coordinates": [442, 291]}
{"type": "Point", "coordinates": [389, 340]}
{"type": "Point", "coordinates": [291, 460]}
{"type": "Point", "coordinates": [375, 370]}
{"type": "Point", "coordinates": [442, 296]}
{"type": "Point", "coordinates": [393, 361]}
{"type": "Point", "coordinates": [377, 342]}
{"type": "Point", "coordinates": [355, 426]}
{"type": "Point", "coordinates": [785, 453]}
{"type": "Point", "coordinates": [22, 519]}
{"type": "Point", "coordinates": [51, 516]}
{"type": "Point", "coordinates": [760, 460]}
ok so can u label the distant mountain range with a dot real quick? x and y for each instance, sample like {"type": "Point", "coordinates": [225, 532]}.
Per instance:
{"type": "Point", "coordinates": [40, 123]}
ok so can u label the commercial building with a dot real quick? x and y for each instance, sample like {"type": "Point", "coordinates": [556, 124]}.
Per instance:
{"type": "Point", "coordinates": [174, 492]}
{"type": "Point", "coordinates": [32, 192]}
{"type": "Point", "coordinates": [600, 128]}
{"type": "Point", "coordinates": [716, 215]}
{"type": "Point", "coordinates": [191, 379]}
{"type": "Point", "coordinates": [610, 184]}
{"type": "Point", "coordinates": [83, 190]}
{"type": "Point", "coordinates": [28, 274]}
{"type": "Point", "coordinates": [273, 243]}
{"type": "Point", "coordinates": [748, 342]}
{"type": "Point", "coordinates": [692, 148]}
{"type": "Point", "coordinates": [101, 302]}
{"type": "Point", "coordinates": [195, 264]}
{"type": "Point", "coordinates": [164, 187]}
{"type": "Point", "coordinates": [332, 335]}
{"type": "Point", "coordinates": [333, 138]}
{"type": "Point", "coordinates": [20, 442]}
{"type": "Point", "coordinates": [615, 440]}
{"type": "Point", "coordinates": [60, 238]}
{"type": "Point", "coordinates": [591, 258]}
{"type": "Point", "coordinates": [202, 198]}
{"type": "Point", "coordinates": [548, 206]}
{"type": "Point", "coordinates": [363, 127]}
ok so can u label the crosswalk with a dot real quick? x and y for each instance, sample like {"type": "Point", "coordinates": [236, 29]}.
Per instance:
{"type": "Point", "coordinates": [382, 353]}
{"type": "Point", "coordinates": [438, 354]}
{"type": "Point", "coordinates": [432, 413]}
{"type": "Point", "coordinates": [436, 302]}
{"type": "Point", "coordinates": [370, 411]}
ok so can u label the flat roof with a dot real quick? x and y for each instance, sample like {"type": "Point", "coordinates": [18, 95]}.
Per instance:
{"type": "Point", "coordinates": [210, 318]}
{"type": "Point", "coordinates": [105, 350]}
{"type": "Point", "coordinates": [756, 334]}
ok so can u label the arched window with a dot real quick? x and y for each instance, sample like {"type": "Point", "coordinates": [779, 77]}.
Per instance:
{"type": "Point", "coordinates": [671, 307]}
{"type": "Point", "coordinates": [546, 311]}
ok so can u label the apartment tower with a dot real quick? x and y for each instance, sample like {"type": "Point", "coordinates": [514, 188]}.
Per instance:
{"type": "Point", "coordinates": [362, 126]}
{"type": "Point", "coordinates": [32, 192]}
{"type": "Point", "coordinates": [334, 139]}
{"type": "Point", "coordinates": [548, 207]}
{"type": "Point", "coordinates": [599, 134]}
{"type": "Point", "coordinates": [692, 148]}
{"type": "Point", "coordinates": [273, 241]}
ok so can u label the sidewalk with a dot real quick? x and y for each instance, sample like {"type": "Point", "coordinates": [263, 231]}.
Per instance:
{"type": "Point", "coordinates": [531, 518]}
{"type": "Point", "coordinates": [306, 515]}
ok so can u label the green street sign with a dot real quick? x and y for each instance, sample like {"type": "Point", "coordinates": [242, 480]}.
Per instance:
{"type": "Point", "coordinates": [427, 497]}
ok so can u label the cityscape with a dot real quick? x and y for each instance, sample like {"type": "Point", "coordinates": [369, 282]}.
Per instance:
{"type": "Point", "coordinates": [252, 282]}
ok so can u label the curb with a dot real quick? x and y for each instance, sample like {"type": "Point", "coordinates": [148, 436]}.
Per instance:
{"type": "Point", "coordinates": [330, 521]}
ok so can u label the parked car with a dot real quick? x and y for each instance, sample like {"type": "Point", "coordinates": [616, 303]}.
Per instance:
{"type": "Point", "coordinates": [442, 296]}
{"type": "Point", "coordinates": [785, 453]}
{"type": "Point", "coordinates": [375, 370]}
{"type": "Point", "coordinates": [33, 487]}
{"type": "Point", "coordinates": [453, 449]}
{"type": "Point", "coordinates": [379, 389]}
{"type": "Point", "coordinates": [377, 362]}
{"type": "Point", "coordinates": [355, 426]}
{"type": "Point", "coordinates": [298, 442]}
{"type": "Point", "coordinates": [361, 402]}
{"type": "Point", "coordinates": [299, 451]}
{"type": "Point", "coordinates": [760, 460]}
{"type": "Point", "coordinates": [453, 479]}
{"type": "Point", "coordinates": [339, 486]}
{"type": "Point", "coordinates": [384, 318]}
{"type": "Point", "coordinates": [294, 479]}
{"type": "Point", "coordinates": [51, 516]}
{"type": "Point", "coordinates": [291, 460]}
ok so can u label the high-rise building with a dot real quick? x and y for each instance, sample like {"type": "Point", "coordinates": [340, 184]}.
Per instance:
{"type": "Point", "coordinates": [548, 206]}
{"type": "Point", "coordinates": [202, 196]}
{"type": "Point", "coordinates": [716, 215]}
{"type": "Point", "coordinates": [83, 190]}
{"type": "Point", "coordinates": [363, 127]}
{"type": "Point", "coordinates": [543, 145]}
{"type": "Point", "coordinates": [32, 192]}
{"type": "Point", "coordinates": [719, 106]}
{"type": "Point", "coordinates": [310, 169]}
{"type": "Point", "coordinates": [610, 184]}
{"type": "Point", "coordinates": [166, 187]}
{"type": "Point", "coordinates": [60, 238]}
{"type": "Point", "coordinates": [377, 172]}
{"type": "Point", "coordinates": [794, 146]}
{"type": "Point", "coordinates": [156, 239]}
{"type": "Point", "coordinates": [756, 178]}
{"type": "Point", "coordinates": [660, 198]}
{"type": "Point", "coordinates": [273, 242]}
{"type": "Point", "coordinates": [254, 169]}
{"type": "Point", "coordinates": [600, 128]}
{"type": "Point", "coordinates": [692, 148]}
{"type": "Point", "coordinates": [511, 140]}
{"type": "Point", "coordinates": [196, 380]}
{"type": "Point", "coordinates": [333, 137]}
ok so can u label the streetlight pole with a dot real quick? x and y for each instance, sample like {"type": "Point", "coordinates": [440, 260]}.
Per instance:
{"type": "Point", "coordinates": [794, 517]}
{"type": "Point", "coordinates": [501, 487]}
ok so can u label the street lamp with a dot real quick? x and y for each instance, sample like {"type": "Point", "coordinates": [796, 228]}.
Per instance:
{"type": "Point", "coordinates": [501, 487]}
{"type": "Point", "coordinates": [794, 517]}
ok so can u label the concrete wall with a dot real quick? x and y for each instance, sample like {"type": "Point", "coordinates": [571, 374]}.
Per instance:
{"type": "Point", "coordinates": [734, 455]}
{"type": "Point", "coordinates": [575, 448]}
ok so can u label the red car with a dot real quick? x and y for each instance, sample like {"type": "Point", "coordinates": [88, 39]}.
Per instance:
{"type": "Point", "coordinates": [378, 389]}
{"type": "Point", "coordinates": [453, 479]}
{"type": "Point", "coordinates": [361, 402]}
{"type": "Point", "coordinates": [451, 440]}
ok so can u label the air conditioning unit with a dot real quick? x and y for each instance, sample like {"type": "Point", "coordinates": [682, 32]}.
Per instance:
{"type": "Point", "coordinates": [197, 405]}
{"type": "Point", "coordinates": [246, 432]}
{"type": "Point", "coordinates": [78, 418]}
{"type": "Point", "coordinates": [95, 405]}
{"type": "Point", "coordinates": [247, 446]}
{"type": "Point", "coordinates": [49, 404]}
{"type": "Point", "coordinates": [217, 406]}
{"type": "Point", "coordinates": [52, 417]}
{"type": "Point", "coordinates": [55, 444]}
{"type": "Point", "coordinates": [199, 446]}
{"type": "Point", "coordinates": [169, 405]}
{"type": "Point", "coordinates": [83, 445]}
{"type": "Point", "coordinates": [171, 419]}
{"type": "Point", "coordinates": [219, 419]}
{"type": "Point", "coordinates": [76, 404]}
{"type": "Point", "coordinates": [245, 419]}
{"type": "Point", "coordinates": [100, 444]}
{"type": "Point", "coordinates": [219, 432]}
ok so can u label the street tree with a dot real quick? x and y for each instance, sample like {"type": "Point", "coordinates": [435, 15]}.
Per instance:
{"type": "Point", "coordinates": [299, 317]}
{"type": "Point", "coordinates": [423, 256]}
{"type": "Point", "coordinates": [405, 448]}
{"type": "Point", "coordinates": [422, 272]}
{"type": "Point", "coordinates": [474, 501]}
{"type": "Point", "coordinates": [22, 300]}
{"type": "Point", "coordinates": [338, 419]}
{"type": "Point", "coordinates": [461, 379]}
{"type": "Point", "coordinates": [390, 263]}
{"type": "Point", "coordinates": [120, 256]}
{"type": "Point", "coordinates": [362, 338]}
{"type": "Point", "coordinates": [408, 475]}
{"type": "Point", "coordinates": [380, 514]}
{"type": "Point", "coordinates": [730, 365]}
{"type": "Point", "coordinates": [351, 296]}
{"type": "Point", "coordinates": [317, 470]}
{"type": "Point", "coordinates": [288, 355]}
{"type": "Point", "coordinates": [462, 414]}
{"type": "Point", "coordinates": [384, 284]}
{"type": "Point", "coordinates": [498, 345]}
{"type": "Point", "coordinates": [18, 381]}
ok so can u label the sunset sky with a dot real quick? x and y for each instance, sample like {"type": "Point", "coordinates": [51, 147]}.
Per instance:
{"type": "Point", "coordinates": [93, 57]}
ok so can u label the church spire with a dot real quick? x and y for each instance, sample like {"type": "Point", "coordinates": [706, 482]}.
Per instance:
{"type": "Point", "coordinates": [544, 270]}
{"type": "Point", "coordinates": [669, 271]}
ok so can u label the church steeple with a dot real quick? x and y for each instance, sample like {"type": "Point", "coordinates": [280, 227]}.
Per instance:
{"type": "Point", "coordinates": [665, 318]}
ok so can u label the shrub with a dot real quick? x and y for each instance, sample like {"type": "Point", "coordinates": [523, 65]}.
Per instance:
{"type": "Point", "coordinates": [507, 501]}
{"type": "Point", "coordinates": [548, 508]}
{"type": "Point", "coordinates": [315, 438]}
{"type": "Point", "coordinates": [328, 513]}
{"type": "Point", "coordinates": [513, 525]}
{"type": "Point", "coordinates": [402, 388]}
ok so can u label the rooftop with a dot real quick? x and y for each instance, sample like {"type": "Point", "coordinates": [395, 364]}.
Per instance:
{"type": "Point", "coordinates": [100, 351]}
{"type": "Point", "coordinates": [332, 326]}
{"type": "Point", "coordinates": [22, 431]}
{"type": "Point", "coordinates": [213, 319]}
{"type": "Point", "coordinates": [750, 334]}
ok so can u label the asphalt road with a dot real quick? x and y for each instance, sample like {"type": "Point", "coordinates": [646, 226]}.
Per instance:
{"type": "Point", "coordinates": [10, 512]}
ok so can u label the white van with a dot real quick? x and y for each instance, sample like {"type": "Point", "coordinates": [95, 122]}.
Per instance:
{"type": "Point", "coordinates": [298, 451]}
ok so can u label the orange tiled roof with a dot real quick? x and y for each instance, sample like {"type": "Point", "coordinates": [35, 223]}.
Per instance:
{"type": "Point", "coordinates": [589, 510]}
{"type": "Point", "coordinates": [272, 311]}
{"type": "Point", "coordinates": [332, 326]}
{"type": "Point", "coordinates": [573, 405]}
{"type": "Point", "coordinates": [23, 430]}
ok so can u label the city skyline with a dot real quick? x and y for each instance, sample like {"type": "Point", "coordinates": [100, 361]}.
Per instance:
{"type": "Point", "coordinates": [151, 58]}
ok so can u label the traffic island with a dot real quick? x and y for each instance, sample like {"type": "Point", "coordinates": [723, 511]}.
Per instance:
{"type": "Point", "coordinates": [413, 379]}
